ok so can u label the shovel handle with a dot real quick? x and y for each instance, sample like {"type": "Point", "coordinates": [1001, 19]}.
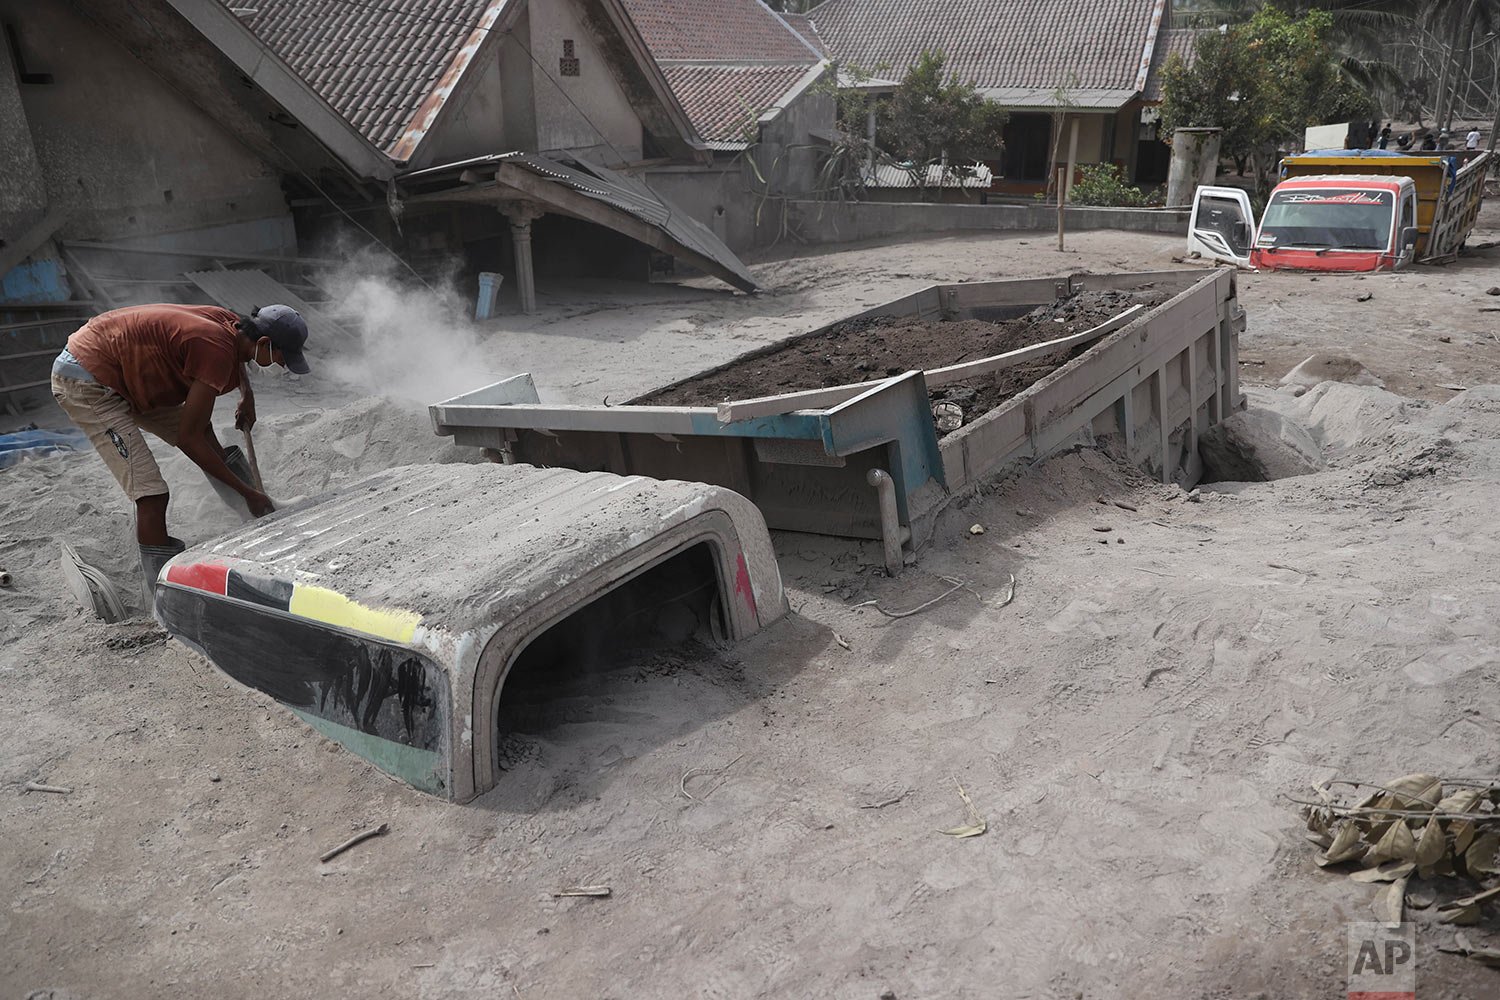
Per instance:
{"type": "Point", "coordinates": [254, 467]}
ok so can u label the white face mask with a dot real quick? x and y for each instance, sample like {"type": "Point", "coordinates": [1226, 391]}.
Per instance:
{"type": "Point", "coordinates": [270, 371]}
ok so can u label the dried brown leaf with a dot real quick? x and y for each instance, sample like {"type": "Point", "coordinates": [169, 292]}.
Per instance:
{"type": "Point", "coordinates": [1475, 899]}
{"type": "Point", "coordinates": [1461, 800]}
{"type": "Point", "coordinates": [1479, 858]}
{"type": "Point", "coordinates": [1415, 791]}
{"type": "Point", "coordinates": [1346, 847]}
{"type": "Point", "coordinates": [1390, 902]}
{"type": "Point", "coordinates": [1388, 872]}
{"type": "Point", "coordinates": [1431, 845]}
{"type": "Point", "coordinates": [977, 823]}
{"type": "Point", "coordinates": [1483, 954]}
{"type": "Point", "coordinates": [1396, 845]}
{"type": "Point", "coordinates": [1464, 916]}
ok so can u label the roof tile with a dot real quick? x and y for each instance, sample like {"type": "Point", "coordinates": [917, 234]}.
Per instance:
{"type": "Point", "coordinates": [716, 31]}
{"type": "Point", "coordinates": [374, 61]}
{"type": "Point", "coordinates": [995, 44]}
{"type": "Point", "coordinates": [725, 101]}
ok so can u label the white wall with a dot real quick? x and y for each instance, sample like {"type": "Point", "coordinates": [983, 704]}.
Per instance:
{"type": "Point", "coordinates": [123, 152]}
{"type": "Point", "coordinates": [588, 112]}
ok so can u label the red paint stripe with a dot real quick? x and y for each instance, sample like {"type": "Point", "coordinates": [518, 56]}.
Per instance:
{"type": "Point", "coordinates": [200, 576]}
{"type": "Point", "coordinates": [742, 585]}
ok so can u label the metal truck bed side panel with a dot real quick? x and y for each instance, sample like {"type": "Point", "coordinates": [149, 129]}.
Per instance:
{"type": "Point", "coordinates": [1155, 385]}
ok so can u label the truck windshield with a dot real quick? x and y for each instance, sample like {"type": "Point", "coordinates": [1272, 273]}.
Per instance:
{"type": "Point", "coordinates": [1328, 219]}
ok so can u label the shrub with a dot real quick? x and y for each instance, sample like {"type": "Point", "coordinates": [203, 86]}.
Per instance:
{"type": "Point", "coordinates": [1103, 184]}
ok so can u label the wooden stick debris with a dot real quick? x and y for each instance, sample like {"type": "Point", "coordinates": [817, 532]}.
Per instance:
{"type": "Point", "coordinates": [886, 802]}
{"type": "Point", "coordinates": [596, 891]}
{"type": "Point", "coordinates": [358, 838]}
{"type": "Point", "coordinates": [37, 786]}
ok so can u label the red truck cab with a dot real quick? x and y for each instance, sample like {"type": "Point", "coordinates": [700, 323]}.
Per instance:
{"type": "Point", "coordinates": [1338, 223]}
{"type": "Point", "coordinates": [1345, 222]}
{"type": "Point", "coordinates": [1346, 210]}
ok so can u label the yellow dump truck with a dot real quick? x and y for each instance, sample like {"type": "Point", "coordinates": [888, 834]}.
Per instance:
{"type": "Point", "coordinates": [1346, 210]}
{"type": "Point", "coordinates": [1449, 190]}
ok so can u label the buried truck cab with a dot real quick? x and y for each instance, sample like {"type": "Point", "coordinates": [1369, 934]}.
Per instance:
{"type": "Point", "coordinates": [1344, 211]}
{"type": "Point", "coordinates": [394, 614]}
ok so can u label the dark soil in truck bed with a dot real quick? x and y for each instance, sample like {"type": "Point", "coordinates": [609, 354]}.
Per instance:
{"type": "Point", "coordinates": [862, 349]}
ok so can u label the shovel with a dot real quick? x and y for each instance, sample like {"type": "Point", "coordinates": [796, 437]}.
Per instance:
{"type": "Point", "coordinates": [255, 480]}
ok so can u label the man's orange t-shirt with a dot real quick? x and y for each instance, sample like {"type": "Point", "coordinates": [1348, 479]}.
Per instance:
{"type": "Point", "coordinates": [151, 355]}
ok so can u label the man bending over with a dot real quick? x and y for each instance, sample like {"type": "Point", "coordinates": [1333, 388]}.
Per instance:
{"type": "Point", "coordinates": [160, 368]}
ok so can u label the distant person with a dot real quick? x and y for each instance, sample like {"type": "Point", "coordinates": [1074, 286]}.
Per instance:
{"type": "Point", "coordinates": [1471, 141]}
{"type": "Point", "coordinates": [161, 368]}
{"type": "Point", "coordinates": [1384, 141]}
{"type": "Point", "coordinates": [1442, 142]}
{"type": "Point", "coordinates": [1403, 141]}
{"type": "Point", "coordinates": [1429, 143]}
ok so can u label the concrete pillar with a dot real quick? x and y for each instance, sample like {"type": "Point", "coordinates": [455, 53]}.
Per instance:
{"type": "Point", "coordinates": [1072, 159]}
{"type": "Point", "coordinates": [1195, 161]}
{"type": "Point", "coordinates": [521, 216]}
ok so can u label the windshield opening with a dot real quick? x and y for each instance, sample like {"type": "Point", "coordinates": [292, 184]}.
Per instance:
{"type": "Point", "coordinates": [1328, 219]}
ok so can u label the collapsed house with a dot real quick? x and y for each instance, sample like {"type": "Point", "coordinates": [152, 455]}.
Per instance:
{"type": "Point", "coordinates": [154, 144]}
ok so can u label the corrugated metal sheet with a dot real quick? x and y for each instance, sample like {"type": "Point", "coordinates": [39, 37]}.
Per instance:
{"type": "Point", "coordinates": [1049, 98]}
{"type": "Point", "coordinates": [243, 290]}
{"type": "Point", "coordinates": [888, 175]}
{"type": "Point", "coordinates": [635, 196]}
{"type": "Point", "coordinates": [622, 192]}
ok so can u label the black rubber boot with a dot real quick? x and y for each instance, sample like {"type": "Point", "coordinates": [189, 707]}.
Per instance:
{"type": "Point", "coordinates": [153, 558]}
{"type": "Point", "coordinates": [240, 466]}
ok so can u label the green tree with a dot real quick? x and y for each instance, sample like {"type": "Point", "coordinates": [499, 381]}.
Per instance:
{"type": "Point", "coordinates": [1262, 82]}
{"type": "Point", "coordinates": [934, 118]}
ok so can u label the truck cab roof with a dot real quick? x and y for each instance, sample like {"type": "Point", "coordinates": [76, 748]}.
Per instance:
{"type": "Point", "coordinates": [1386, 183]}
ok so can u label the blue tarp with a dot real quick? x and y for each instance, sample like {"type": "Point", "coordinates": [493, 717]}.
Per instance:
{"type": "Point", "coordinates": [22, 445]}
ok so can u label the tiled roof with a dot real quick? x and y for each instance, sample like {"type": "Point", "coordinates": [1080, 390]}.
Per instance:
{"type": "Point", "coordinates": [709, 31]}
{"type": "Point", "coordinates": [375, 61]}
{"type": "Point", "coordinates": [1173, 41]}
{"type": "Point", "coordinates": [723, 102]}
{"type": "Point", "coordinates": [1003, 45]}
{"type": "Point", "coordinates": [727, 61]}
{"type": "Point", "coordinates": [802, 25]}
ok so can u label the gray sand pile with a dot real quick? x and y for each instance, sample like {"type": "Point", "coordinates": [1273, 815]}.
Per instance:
{"type": "Point", "coordinates": [72, 497]}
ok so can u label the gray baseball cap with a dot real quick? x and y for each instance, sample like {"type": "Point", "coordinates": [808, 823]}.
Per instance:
{"type": "Point", "coordinates": [287, 331]}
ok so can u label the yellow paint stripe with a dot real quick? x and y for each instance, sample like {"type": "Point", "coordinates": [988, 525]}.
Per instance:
{"type": "Point", "coordinates": [323, 605]}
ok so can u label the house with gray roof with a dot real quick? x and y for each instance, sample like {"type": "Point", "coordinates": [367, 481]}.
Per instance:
{"type": "Point", "coordinates": [507, 133]}
{"type": "Point", "coordinates": [1074, 74]}
{"type": "Point", "coordinates": [759, 93]}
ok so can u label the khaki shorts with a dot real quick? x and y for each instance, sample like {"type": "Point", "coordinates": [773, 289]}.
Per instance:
{"type": "Point", "coordinates": [115, 429]}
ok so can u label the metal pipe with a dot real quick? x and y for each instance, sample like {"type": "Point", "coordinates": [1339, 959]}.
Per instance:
{"type": "Point", "coordinates": [890, 522]}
